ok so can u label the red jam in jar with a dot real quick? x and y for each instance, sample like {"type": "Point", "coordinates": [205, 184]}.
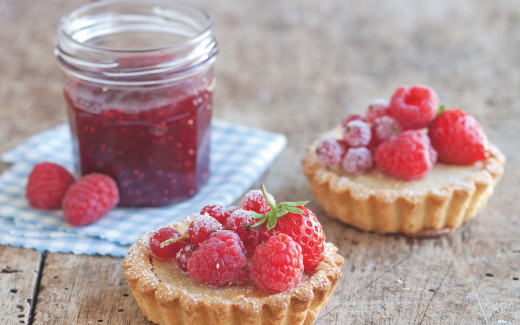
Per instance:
{"type": "Point", "coordinates": [140, 113]}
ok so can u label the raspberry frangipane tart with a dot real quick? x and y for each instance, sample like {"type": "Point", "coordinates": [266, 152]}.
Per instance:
{"type": "Point", "coordinates": [404, 168]}
{"type": "Point", "coordinates": [235, 276]}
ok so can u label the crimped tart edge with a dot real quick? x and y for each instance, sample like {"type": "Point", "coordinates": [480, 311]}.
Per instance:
{"type": "Point", "coordinates": [427, 213]}
{"type": "Point", "coordinates": [164, 304]}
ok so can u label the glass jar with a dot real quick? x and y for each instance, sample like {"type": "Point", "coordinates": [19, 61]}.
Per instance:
{"type": "Point", "coordinates": [138, 85]}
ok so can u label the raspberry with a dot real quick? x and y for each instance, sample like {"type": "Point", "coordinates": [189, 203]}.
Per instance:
{"type": "Point", "coordinates": [202, 227]}
{"type": "Point", "coordinates": [378, 108]}
{"type": "Point", "coordinates": [414, 107]}
{"type": "Point", "coordinates": [277, 265]}
{"type": "Point", "coordinates": [165, 252]}
{"type": "Point", "coordinates": [352, 117]}
{"type": "Point", "coordinates": [458, 138]}
{"type": "Point", "coordinates": [357, 160]}
{"type": "Point", "coordinates": [384, 128]}
{"type": "Point", "coordinates": [183, 255]}
{"type": "Point", "coordinates": [47, 185]}
{"type": "Point", "coordinates": [255, 201]}
{"type": "Point", "coordinates": [408, 156]}
{"type": "Point", "coordinates": [240, 222]}
{"type": "Point", "coordinates": [219, 261]}
{"type": "Point", "coordinates": [357, 133]}
{"type": "Point", "coordinates": [89, 199]}
{"type": "Point", "coordinates": [216, 211]}
{"type": "Point", "coordinates": [330, 151]}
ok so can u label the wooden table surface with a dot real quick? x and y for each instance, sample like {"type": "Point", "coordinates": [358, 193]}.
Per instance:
{"type": "Point", "coordinates": [297, 67]}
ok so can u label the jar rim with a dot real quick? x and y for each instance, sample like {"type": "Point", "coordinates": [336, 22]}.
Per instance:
{"type": "Point", "coordinates": [184, 32]}
{"type": "Point", "coordinates": [102, 3]}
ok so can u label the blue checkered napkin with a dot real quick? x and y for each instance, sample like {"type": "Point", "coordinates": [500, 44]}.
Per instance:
{"type": "Point", "coordinates": [31, 236]}
{"type": "Point", "coordinates": [239, 156]}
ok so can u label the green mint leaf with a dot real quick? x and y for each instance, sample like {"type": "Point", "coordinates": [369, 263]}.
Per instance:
{"type": "Point", "coordinates": [441, 109]}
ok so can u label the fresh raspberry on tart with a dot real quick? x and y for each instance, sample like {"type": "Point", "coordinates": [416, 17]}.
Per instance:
{"type": "Point", "coordinates": [277, 265]}
{"type": "Point", "coordinates": [219, 261]}
{"type": "Point", "coordinates": [414, 107]}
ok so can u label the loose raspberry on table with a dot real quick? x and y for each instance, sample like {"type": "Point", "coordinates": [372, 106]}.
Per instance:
{"type": "Point", "coordinates": [277, 265]}
{"type": "Point", "coordinates": [219, 261]}
{"type": "Point", "coordinates": [458, 138]}
{"type": "Point", "coordinates": [357, 160]}
{"type": "Point", "coordinates": [183, 255]}
{"type": "Point", "coordinates": [254, 201]}
{"type": "Point", "coordinates": [241, 222]}
{"type": "Point", "coordinates": [414, 107]}
{"type": "Point", "coordinates": [352, 117]}
{"type": "Point", "coordinates": [165, 252]}
{"type": "Point", "coordinates": [357, 133]}
{"type": "Point", "coordinates": [330, 151]}
{"type": "Point", "coordinates": [202, 227]}
{"type": "Point", "coordinates": [378, 108]}
{"type": "Point", "coordinates": [89, 199]}
{"type": "Point", "coordinates": [408, 156]}
{"type": "Point", "coordinates": [216, 211]}
{"type": "Point", "coordinates": [46, 185]}
{"type": "Point", "coordinates": [385, 128]}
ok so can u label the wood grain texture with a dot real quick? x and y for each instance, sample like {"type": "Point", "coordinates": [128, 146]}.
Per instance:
{"type": "Point", "coordinates": [19, 270]}
{"type": "Point", "coordinates": [77, 289]}
{"type": "Point", "coordinates": [297, 67]}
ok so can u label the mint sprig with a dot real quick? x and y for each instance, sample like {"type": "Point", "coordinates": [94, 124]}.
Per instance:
{"type": "Point", "coordinates": [276, 211]}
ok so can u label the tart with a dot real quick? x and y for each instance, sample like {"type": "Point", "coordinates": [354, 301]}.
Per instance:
{"type": "Point", "coordinates": [378, 202]}
{"type": "Point", "coordinates": [167, 295]}
{"type": "Point", "coordinates": [405, 167]}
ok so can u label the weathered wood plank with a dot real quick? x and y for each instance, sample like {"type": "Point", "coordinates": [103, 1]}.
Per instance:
{"type": "Point", "coordinates": [85, 290]}
{"type": "Point", "coordinates": [18, 278]}
{"type": "Point", "coordinates": [457, 279]}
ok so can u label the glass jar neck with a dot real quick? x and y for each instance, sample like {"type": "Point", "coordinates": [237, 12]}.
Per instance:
{"type": "Point", "coordinates": [135, 42]}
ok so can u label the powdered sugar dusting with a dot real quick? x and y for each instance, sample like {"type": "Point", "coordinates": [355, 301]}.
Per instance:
{"type": "Point", "coordinates": [357, 160]}
{"type": "Point", "coordinates": [386, 127]}
{"type": "Point", "coordinates": [202, 227]}
{"type": "Point", "coordinates": [379, 107]}
{"type": "Point", "coordinates": [330, 151]}
{"type": "Point", "coordinates": [357, 133]}
{"type": "Point", "coordinates": [238, 216]}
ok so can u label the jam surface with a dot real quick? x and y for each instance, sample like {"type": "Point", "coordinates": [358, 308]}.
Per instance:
{"type": "Point", "coordinates": [154, 143]}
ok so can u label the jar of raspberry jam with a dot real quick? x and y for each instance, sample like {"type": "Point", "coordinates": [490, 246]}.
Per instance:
{"type": "Point", "coordinates": [138, 85]}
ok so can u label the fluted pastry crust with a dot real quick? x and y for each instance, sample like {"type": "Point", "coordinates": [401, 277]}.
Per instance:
{"type": "Point", "coordinates": [423, 212]}
{"type": "Point", "coordinates": [184, 301]}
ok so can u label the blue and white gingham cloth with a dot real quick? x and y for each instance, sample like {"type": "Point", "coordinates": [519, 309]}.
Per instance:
{"type": "Point", "coordinates": [239, 156]}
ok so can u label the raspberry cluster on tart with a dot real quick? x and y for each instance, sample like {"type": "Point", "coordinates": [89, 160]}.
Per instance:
{"type": "Point", "coordinates": [408, 166]}
{"type": "Point", "coordinates": [260, 263]}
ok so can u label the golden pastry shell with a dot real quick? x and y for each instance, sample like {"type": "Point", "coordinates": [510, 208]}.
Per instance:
{"type": "Point", "coordinates": [423, 213]}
